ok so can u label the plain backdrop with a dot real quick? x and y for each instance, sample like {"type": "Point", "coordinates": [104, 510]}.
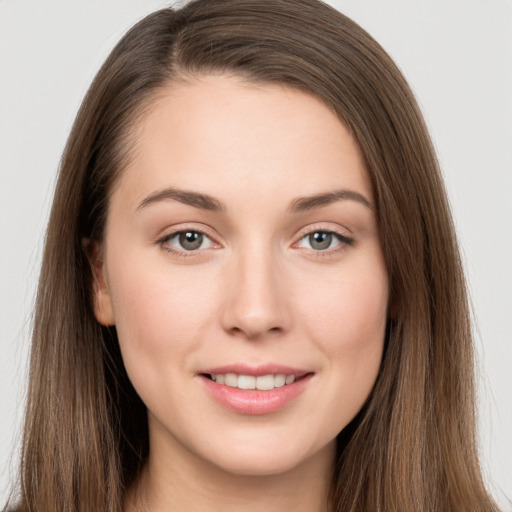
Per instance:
{"type": "Point", "coordinates": [457, 55]}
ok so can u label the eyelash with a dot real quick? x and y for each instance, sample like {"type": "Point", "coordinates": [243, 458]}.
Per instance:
{"type": "Point", "coordinates": [183, 253]}
{"type": "Point", "coordinates": [343, 240]}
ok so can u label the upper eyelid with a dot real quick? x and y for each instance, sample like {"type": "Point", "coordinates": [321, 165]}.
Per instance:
{"type": "Point", "coordinates": [314, 228]}
{"type": "Point", "coordinates": [343, 239]}
{"type": "Point", "coordinates": [164, 242]}
{"type": "Point", "coordinates": [344, 233]}
{"type": "Point", "coordinates": [172, 232]}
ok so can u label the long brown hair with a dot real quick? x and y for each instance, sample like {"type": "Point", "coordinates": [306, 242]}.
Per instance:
{"type": "Point", "coordinates": [412, 447]}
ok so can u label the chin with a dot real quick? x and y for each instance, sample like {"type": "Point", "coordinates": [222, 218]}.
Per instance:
{"type": "Point", "coordinates": [260, 468]}
{"type": "Point", "coordinates": [270, 460]}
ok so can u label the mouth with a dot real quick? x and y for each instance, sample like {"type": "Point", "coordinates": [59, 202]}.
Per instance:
{"type": "Point", "coordinates": [255, 391]}
{"type": "Point", "coordinates": [252, 382]}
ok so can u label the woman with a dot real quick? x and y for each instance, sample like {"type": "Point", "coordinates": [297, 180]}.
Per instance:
{"type": "Point", "coordinates": [251, 294]}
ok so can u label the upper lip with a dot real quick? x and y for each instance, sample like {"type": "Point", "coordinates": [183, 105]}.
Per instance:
{"type": "Point", "coordinates": [256, 371]}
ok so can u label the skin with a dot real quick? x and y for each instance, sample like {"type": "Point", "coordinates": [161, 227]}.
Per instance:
{"type": "Point", "coordinates": [256, 292]}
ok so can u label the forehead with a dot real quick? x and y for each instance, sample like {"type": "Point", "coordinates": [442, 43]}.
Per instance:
{"type": "Point", "coordinates": [215, 131]}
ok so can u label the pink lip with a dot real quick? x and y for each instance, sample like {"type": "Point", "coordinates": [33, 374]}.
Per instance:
{"type": "Point", "coordinates": [256, 371]}
{"type": "Point", "coordinates": [255, 402]}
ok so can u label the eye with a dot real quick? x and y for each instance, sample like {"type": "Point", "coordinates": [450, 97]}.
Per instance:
{"type": "Point", "coordinates": [323, 240]}
{"type": "Point", "coordinates": [188, 240]}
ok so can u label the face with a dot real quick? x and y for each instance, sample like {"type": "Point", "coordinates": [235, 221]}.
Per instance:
{"type": "Point", "coordinates": [242, 268]}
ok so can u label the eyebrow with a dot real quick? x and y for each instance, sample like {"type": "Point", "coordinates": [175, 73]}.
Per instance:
{"type": "Point", "coordinates": [316, 201]}
{"type": "Point", "coordinates": [206, 202]}
{"type": "Point", "coordinates": [202, 201]}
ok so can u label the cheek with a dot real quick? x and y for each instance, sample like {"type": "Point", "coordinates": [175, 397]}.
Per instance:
{"type": "Point", "coordinates": [161, 316]}
{"type": "Point", "coordinates": [347, 321]}
{"type": "Point", "coordinates": [349, 315]}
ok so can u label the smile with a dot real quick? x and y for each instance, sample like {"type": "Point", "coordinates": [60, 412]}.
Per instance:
{"type": "Point", "coordinates": [262, 383]}
{"type": "Point", "coordinates": [255, 390]}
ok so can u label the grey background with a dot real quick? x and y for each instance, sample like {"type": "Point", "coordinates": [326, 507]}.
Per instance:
{"type": "Point", "coordinates": [457, 54]}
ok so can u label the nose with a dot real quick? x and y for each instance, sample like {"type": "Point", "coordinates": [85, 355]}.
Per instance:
{"type": "Point", "coordinates": [256, 304]}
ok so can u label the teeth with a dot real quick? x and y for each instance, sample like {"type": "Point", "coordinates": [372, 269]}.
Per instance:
{"type": "Point", "coordinates": [290, 379]}
{"type": "Point", "coordinates": [246, 382]}
{"type": "Point", "coordinates": [231, 380]}
{"type": "Point", "coordinates": [279, 381]}
{"type": "Point", "coordinates": [262, 383]}
{"type": "Point", "coordinates": [265, 382]}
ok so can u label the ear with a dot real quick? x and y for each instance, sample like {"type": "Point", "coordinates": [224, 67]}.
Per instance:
{"type": "Point", "coordinates": [102, 302]}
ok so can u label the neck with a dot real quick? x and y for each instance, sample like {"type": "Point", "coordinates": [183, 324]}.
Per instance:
{"type": "Point", "coordinates": [189, 484]}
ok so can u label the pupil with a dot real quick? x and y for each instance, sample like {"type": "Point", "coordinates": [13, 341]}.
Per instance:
{"type": "Point", "coordinates": [191, 240]}
{"type": "Point", "coordinates": [320, 240]}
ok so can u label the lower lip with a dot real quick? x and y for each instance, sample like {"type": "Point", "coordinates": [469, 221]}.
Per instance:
{"type": "Point", "coordinates": [255, 402]}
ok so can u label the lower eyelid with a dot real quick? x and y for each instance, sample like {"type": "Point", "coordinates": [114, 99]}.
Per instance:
{"type": "Point", "coordinates": [343, 239]}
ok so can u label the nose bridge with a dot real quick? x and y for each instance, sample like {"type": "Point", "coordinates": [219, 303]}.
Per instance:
{"type": "Point", "coordinates": [256, 304]}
